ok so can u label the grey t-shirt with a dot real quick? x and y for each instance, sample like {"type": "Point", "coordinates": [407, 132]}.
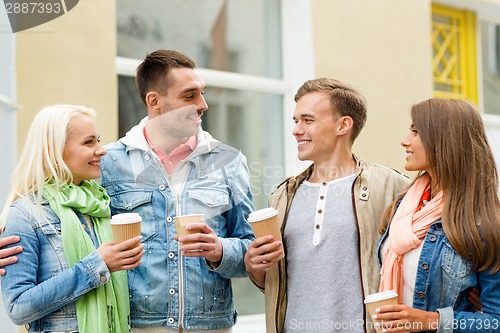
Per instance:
{"type": "Point", "coordinates": [323, 273]}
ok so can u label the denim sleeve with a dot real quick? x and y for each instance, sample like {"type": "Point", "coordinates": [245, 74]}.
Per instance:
{"type": "Point", "coordinates": [26, 298]}
{"type": "Point", "coordinates": [480, 322]}
{"type": "Point", "coordinates": [239, 234]}
{"type": "Point", "coordinates": [445, 317]}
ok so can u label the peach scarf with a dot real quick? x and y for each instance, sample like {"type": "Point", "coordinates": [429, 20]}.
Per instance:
{"type": "Point", "coordinates": [407, 230]}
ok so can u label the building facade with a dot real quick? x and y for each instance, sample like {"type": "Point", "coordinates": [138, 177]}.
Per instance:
{"type": "Point", "coordinates": [253, 56]}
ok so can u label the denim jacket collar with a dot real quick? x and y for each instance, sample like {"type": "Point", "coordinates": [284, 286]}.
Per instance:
{"type": "Point", "coordinates": [134, 139]}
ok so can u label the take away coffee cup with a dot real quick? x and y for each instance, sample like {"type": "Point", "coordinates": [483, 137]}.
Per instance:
{"type": "Point", "coordinates": [126, 226]}
{"type": "Point", "coordinates": [377, 300]}
{"type": "Point", "coordinates": [265, 222]}
{"type": "Point", "coordinates": [182, 221]}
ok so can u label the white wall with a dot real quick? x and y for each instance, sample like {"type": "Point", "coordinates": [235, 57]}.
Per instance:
{"type": "Point", "coordinates": [7, 95]}
{"type": "Point", "coordinates": [383, 49]}
{"type": "Point", "coordinates": [7, 126]}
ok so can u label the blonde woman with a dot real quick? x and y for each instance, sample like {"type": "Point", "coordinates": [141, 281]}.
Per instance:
{"type": "Point", "coordinates": [69, 277]}
{"type": "Point", "coordinates": [441, 237]}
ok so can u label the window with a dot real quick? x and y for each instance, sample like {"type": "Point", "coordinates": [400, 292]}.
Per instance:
{"type": "Point", "coordinates": [454, 53]}
{"type": "Point", "coordinates": [490, 41]}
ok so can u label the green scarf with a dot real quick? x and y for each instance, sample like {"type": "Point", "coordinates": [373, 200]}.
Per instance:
{"type": "Point", "coordinates": [106, 308]}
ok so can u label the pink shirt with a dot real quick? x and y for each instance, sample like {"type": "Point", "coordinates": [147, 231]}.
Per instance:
{"type": "Point", "coordinates": [177, 155]}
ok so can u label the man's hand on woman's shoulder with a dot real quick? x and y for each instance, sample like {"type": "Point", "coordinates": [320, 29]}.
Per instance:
{"type": "Point", "coordinates": [7, 256]}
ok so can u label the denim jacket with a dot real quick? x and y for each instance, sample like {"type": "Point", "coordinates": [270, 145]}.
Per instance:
{"type": "Point", "coordinates": [217, 184]}
{"type": "Point", "coordinates": [40, 290]}
{"type": "Point", "coordinates": [443, 281]}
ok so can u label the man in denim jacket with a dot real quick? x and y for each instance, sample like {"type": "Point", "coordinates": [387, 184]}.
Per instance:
{"type": "Point", "coordinates": [167, 166]}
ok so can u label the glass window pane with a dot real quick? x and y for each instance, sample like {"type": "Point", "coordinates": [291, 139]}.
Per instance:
{"type": "Point", "coordinates": [251, 122]}
{"type": "Point", "coordinates": [490, 35]}
{"type": "Point", "coordinates": [234, 35]}
{"type": "Point", "coordinates": [131, 109]}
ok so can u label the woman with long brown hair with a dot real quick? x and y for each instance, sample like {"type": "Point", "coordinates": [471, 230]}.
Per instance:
{"type": "Point", "coordinates": [441, 237]}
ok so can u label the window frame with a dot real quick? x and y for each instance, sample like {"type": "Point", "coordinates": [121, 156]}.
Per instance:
{"type": "Point", "coordinates": [485, 11]}
{"type": "Point", "coordinates": [461, 75]}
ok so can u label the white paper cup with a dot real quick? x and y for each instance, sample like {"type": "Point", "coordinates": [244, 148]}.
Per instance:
{"type": "Point", "coordinates": [265, 222]}
{"type": "Point", "coordinates": [377, 300]}
{"type": "Point", "coordinates": [126, 226]}
{"type": "Point", "coordinates": [182, 221]}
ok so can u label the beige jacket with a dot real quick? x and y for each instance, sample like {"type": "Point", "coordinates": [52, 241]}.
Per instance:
{"type": "Point", "coordinates": [374, 189]}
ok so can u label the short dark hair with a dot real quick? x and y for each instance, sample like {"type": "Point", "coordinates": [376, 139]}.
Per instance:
{"type": "Point", "coordinates": [345, 100]}
{"type": "Point", "coordinates": [153, 72]}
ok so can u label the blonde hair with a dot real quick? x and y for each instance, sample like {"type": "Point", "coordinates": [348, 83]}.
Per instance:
{"type": "Point", "coordinates": [42, 157]}
{"type": "Point", "coordinates": [463, 166]}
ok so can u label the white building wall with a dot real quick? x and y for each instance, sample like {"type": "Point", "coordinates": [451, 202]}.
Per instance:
{"type": "Point", "coordinates": [8, 134]}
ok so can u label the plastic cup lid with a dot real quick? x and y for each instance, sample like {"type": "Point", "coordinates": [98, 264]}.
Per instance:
{"type": "Point", "coordinates": [380, 296]}
{"type": "Point", "coordinates": [191, 215]}
{"type": "Point", "coordinates": [125, 218]}
{"type": "Point", "coordinates": [262, 214]}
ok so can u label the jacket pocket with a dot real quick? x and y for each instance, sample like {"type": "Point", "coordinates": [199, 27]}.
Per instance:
{"type": "Point", "coordinates": [453, 264]}
{"type": "Point", "coordinates": [52, 233]}
{"type": "Point", "coordinates": [51, 228]}
{"type": "Point", "coordinates": [210, 197]}
{"type": "Point", "coordinates": [455, 271]}
{"type": "Point", "coordinates": [129, 200]}
{"type": "Point", "coordinates": [213, 203]}
{"type": "Point", "coordinates": [140, 202]}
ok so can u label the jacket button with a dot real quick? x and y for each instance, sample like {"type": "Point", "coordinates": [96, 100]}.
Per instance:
{"type": "Point", "coordinates": [318, 226]}
{"type": "Point", "coordinates": [432, 238]}
{"type": "Point", "coordinates": [425, 265]}
{"type": "Point", "coordinates": [320, 211]}
{"type": "Point", "coordinates": [161, 187]}
{"type": "Point", "coordinates": [171, 255]}
{"type": "Point", "coordinates": [103, 279]}
{"type": "Point", "coordinates": [363, 195]}
{"type": "Point", "coordinates": [171, 291]}
{"type": "Point", "coordinates": [324, 183]}
{"type": "Point", "coordinates": [421, 294]}
{"type": "Point", "coordinates": [322, 197]}
{"type": "Point", "coordinates": [171, 320]}
{"type": "Point", "coordinates": [365, 188]}
{"type": "Point", "coordinates": [169, 219]}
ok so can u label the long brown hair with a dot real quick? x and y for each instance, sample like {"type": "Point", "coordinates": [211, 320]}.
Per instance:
{"type": "Point", "coordinates": [463, 166]}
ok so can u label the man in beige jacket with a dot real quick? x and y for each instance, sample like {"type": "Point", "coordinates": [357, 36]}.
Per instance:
{"type": "Point", "coordinates": [329, 216]}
